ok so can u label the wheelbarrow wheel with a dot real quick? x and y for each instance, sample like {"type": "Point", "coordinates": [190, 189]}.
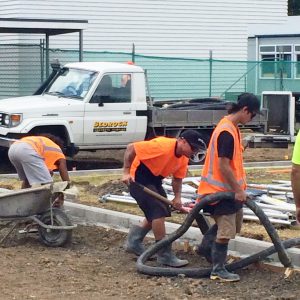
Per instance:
{"type": "Point", "coordinates": [55, 237]}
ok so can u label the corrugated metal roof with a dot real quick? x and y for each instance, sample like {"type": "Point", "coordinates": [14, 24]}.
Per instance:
{"type": "Point", "coordinates": [40, 26]}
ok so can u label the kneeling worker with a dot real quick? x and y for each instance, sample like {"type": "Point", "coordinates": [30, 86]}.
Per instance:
{"type": "Point", "coordinates": [36, 157]}
{"type": "Point", "coordinates": [147, 163]}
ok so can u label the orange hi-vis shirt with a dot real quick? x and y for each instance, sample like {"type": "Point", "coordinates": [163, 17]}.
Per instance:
{"type": "Point", "coordinates": [158, 155]}
{"type": "Point", "coordinates": [46, 149]}
{"type": "Point", "coordinates": [211, 178]}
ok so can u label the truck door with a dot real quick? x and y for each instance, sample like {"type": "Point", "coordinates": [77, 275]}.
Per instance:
{"type": "Point", "coordinates": [110, 116]}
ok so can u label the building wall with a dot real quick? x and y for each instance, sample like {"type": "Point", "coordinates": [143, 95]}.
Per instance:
{"type": "Point", "coordinates": [261, 83]}
{"type": "Point", "coordinates": [179, 28]}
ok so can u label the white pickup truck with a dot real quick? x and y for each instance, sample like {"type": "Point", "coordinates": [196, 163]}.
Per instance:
{"type": "Point", "coordinates": [103, 105]}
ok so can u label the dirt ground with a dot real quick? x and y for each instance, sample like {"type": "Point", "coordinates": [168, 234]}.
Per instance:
{"type": "Point", "coordinates": [95, 266]}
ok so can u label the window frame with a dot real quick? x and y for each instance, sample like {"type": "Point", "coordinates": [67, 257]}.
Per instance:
{"type": "Point", "coordinates": [276, 54]}
{"type": "Point", "coordinates": [297, 62]}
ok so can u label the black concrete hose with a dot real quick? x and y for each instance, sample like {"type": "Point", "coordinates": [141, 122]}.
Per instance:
{"type": "Point", "coordinates": [278, 246]}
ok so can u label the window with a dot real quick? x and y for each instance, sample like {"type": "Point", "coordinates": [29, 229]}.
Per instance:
{"type": "Point", "coordinates": [276, 61]}
{"type": "Point", "coordinates": [113, 88]}
{"type": "Point", "coordinates": [297, 64]}
{"type": "Point", "coordinates": [72, 83]}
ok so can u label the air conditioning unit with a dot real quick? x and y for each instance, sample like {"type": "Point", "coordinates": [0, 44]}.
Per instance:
{"type": "Point", "coordinates": [281, 112]}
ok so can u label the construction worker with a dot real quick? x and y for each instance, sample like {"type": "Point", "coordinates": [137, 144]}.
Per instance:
{"type": "Point", "coordinates": [295, 176]}
{"type": "Point", "coordinates": [147, 163]}
{"type": "Point", "coordinates": [36, 157]}
{"type": "Point", "coordinates": [222, 172]}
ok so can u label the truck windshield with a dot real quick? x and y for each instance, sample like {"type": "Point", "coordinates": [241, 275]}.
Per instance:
{"type": "Point", "coordinates": [72, 83]}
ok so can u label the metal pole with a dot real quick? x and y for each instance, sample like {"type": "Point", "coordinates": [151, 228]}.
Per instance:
{"type": "Point", "coordinates": [210, 72]}
{"type": "Point", "coordinates": [42, 59]}
{"type": "Point", "coordinates": [258, 65]}
{"type": "Point", "coordinates": [47, 55]}
{"type": "Point", "coordinates": [150, 102]}
{"type": "Point", "coordinates": [80, 45]}
{"type": "Point", "coordinates": [133, 53]}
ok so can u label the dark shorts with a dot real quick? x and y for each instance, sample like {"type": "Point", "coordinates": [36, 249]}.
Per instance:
{"type": "Point", "coordinates": [152, 207]}
{"type": "Point", "coordinates": [225, 207]}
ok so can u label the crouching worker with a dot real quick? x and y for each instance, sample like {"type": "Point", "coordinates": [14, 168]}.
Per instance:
{"type": "Point", "coordinates": [147, 163]}
{"type": "Point", "coordinates": [223, 171]}
{"type": "Point", "coordinates": [36, 157]}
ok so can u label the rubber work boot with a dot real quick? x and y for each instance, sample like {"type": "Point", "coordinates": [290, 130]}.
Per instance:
{"type": "Point", "coordinates": [219, 254]}
{"type": "Point", "coordinates": [166, 257]}
{"type": "Point", "coordinates": [204, 249]}
{"type": "Point", "coordinates": [134, 240]}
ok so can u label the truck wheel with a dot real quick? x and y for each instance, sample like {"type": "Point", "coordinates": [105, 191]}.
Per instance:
{"type": "Point", "coordinates": [199, 157]}
{"type": "Point", "coordinates": [55, 237]}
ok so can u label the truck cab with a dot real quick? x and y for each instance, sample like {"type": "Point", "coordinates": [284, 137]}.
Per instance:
{"type": "Point", "coordinates": [93, 105]}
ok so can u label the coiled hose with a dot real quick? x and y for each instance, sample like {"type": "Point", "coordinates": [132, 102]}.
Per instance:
{"type": "Point", "coordinates": [278, 246]}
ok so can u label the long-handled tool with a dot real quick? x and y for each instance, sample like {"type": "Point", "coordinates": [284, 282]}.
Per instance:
{"type": "Point", "coordinates": [201, 220]}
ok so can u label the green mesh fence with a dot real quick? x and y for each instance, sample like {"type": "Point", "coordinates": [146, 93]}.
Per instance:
{"type": "Point", "coordinates": [22, 70]}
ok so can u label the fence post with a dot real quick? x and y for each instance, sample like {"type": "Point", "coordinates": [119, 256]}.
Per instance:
{"type": "Point", "coordinates": [133, 53]}
{"type": "Point", "coordinates": [47, 55]}
{"type": "Point", "coordinates": [42, 59]}
{"type": "Point", "coordinates": [210, 72]}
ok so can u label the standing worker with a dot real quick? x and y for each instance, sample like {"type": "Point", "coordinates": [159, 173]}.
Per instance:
{"type": "Point", "coordinates": [223, 172]}
{"type": "Point", "coordinates": [147, 163]}
{"type": "Point", "coordinates": [295, 176]}
{"type": "Point", "coordinates": [36, 157]}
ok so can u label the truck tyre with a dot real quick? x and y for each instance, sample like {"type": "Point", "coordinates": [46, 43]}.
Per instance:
{"type": "Point", "coordinates": [55, 237]}
{"type": "Point", "coordinates": [199, 157]}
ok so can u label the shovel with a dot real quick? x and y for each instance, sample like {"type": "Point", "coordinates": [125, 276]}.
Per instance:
{"type": "Point", "coordinates": [201, 220]}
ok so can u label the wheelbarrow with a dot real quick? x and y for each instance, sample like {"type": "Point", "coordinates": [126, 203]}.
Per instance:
{"type": "Point", "coordinates": [37, 206]}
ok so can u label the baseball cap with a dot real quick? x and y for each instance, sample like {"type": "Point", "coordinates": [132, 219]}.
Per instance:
{"type": "Point", "coordinates": [194, 139]}
{"type": "Point", "coordinates": [250, 101]}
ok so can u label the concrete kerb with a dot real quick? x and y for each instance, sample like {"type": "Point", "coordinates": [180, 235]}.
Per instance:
{"type": "Point", "coordinates": [240, 246]}
{"type": "Point", "coordinates": [259, 165]}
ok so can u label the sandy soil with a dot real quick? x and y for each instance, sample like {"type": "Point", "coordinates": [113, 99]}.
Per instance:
{"type": "Point", "coordinates": [95, 266]}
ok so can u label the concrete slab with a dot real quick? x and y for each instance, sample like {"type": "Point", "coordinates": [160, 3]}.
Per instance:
{"type": "Point", "coordinates": [121, 221]}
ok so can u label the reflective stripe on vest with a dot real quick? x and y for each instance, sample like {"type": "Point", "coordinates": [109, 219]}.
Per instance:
{"type": "Point", "coordinates": [207, 176]}
{"type": "Point", "coordinates": [40, 147]}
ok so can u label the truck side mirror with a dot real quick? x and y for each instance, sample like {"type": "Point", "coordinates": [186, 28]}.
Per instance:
{"type": "Point", "coordinates": [55, 65]}
{"type": "Point", "coordinates": [97, 99]}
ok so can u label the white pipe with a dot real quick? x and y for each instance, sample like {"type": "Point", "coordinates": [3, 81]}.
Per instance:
{"type": "Point", "coordinates": [269, 187]}
{"type": "Point", "coordinates": [274, 221]}
{"type": "Point", "coordinates": [272, 213]}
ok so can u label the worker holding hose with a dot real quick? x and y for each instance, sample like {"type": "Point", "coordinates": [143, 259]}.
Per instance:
{"type": "Point", "coordinates": [295, 176]}
{"type": "Point", "coordinates": [147, 163]}
{"type": "Point", "coordinates": [222, 172]}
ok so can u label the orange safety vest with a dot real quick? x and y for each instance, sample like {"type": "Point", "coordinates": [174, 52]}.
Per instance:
{"type": "Point", "coordinates": [211, 178]}
{"type": "Point", "coordinates": [46, 149]}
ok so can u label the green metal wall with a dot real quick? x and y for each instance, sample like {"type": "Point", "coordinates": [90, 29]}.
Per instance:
{"type": "Point", "coordinates": [22, 70]}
